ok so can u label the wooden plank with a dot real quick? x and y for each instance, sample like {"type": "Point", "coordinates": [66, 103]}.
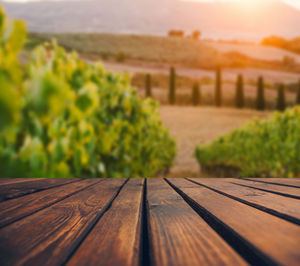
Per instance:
{"type": "Point", "coordinates": [49, 236]}
{"type": "Point", "coordinates": [286, 208]}
{"type": "Point", "coordinates": [178, 235]}
{"type": "Point", "coordinates": [6, 181]}
{"type": "Point", "coordinates": [290, 192]}
{"type": "Point", "coordinates": [19, 189]}
{"type": "Point", "coordinates": [15, 209]}
{"type": "Point", "coordinates": [292, 182]}
{"type": "Point", "coordinates": [116, 238]}
{"type": "Point", "coordinates": [271, 238]}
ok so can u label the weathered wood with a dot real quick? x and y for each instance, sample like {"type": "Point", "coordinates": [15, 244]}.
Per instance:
{"type": "Point", "coordinates": [279, 190]}
{"type": "Point", "coordinates": [272, 239]}
{"type": "Point", "coordinates": [6, 181]}
{"type": "Point", "coordinates": [178, 235]}
{"type": "Point", "coordinates": [102, 222]}
{"type": "Point", "coordinates": [292, 182]}
{"type": "Point", "coordinates": [15, 209]}
{"type": "Point", "coordinates": [116, 238]}
{"type": "Point", "coordinates": [286, 208]}
{"type": "Point", "coordinates": [14, 190]}
{"type": "Point", "coordinates": [49, 236]}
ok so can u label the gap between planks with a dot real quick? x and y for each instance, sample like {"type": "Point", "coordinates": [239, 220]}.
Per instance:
{"type": "Point", "coordinates": [286, 182]}
{"type": "Point", "coordinates": [285, 208]}
{"type": "Point", "coordinates": [262, 234]}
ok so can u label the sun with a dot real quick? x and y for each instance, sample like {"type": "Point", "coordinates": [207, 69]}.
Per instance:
{"type": "Point", "coordinates": [246, 2]}
{"type": "Point", "coordinates": [252, 4]}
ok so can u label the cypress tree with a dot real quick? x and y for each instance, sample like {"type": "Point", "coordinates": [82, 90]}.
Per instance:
{"type": "Point", "coordinates": [196, 94]}
{"type": "Point", "coordinates": [148, 86]}
{"type": "Point", "coordinates": [260, 98]}
{"type": "Point", "coordinates": [281, 98]}
{"type": "Point", "coordinates": [298, 93]}
{"type": "Point", "coordinates": [239, 97]}
{"type": "Point", "coordinates": [172, 93]}
{"type": "Point", "coordinates": [218, 89]}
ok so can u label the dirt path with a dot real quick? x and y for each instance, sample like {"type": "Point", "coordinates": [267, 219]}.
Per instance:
{"type": "Point", "coordinates": [192, 126]}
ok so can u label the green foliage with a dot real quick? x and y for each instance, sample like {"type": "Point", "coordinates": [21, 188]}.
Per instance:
{"type": "Point", "coordinates": [172, 88]}
{"type": "Point", "coordinates": [12, 38]}
{"type": "Point", "coordinates": [281, 105]}
{"type": "Point", "coordinates": [120, 56]}
{"type": "Point", "coordinates": [148, 86]}
{"type": "Point", "coordinates": [259, 149]}
{"type": "Point", "coordinates": [196, 94]}
{"type": "Point", "coordinates": [260, 99]}
{"type": "Point", "coordinates": [239, 97]}
{"type": "Point", "coordinates": [218, 92]}
{"type": "Point", "coordinates": [63, 118]}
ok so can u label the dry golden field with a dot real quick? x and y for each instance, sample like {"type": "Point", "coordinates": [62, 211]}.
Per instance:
{"type": "Point", "coordinates": [192, 126]}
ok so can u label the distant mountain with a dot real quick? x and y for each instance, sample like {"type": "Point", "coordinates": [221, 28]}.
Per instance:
{"type": "Point", "coordinates": [215, 20]}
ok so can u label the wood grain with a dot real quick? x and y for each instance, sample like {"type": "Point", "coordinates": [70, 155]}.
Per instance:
{"type": "Point", "coordinates": [6, 181]}
{"type": "Point", "coordinates": [15, 209]}
{"type": "Point", "coordinates": [14, 190]}
{"type": "Point", "coordinates": [275, 238]}
{"type": "Point", "coordinates": [49, 236]}
{"type": "Point", "coordinates": [279, 190]}
{"type": "Point", "coordinates": [293, 182]}
{"type": "Point", "coordinates": [178, 235]}
{"type": "Point", "coordinates": [116, 238]}
{"type": "Point", "coordinates": [286, 208]}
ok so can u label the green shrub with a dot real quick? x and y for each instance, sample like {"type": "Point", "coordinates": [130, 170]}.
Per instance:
{"type": "Point", "coordinates": [268, 148]}
{"type": "Point", "coordinates": [71, 119]}
{"type": "Point", "coordinates": [120, 56]}
{"type": "Point", "coordinates": [239, 97]}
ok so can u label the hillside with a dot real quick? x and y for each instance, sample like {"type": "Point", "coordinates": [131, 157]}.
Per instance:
{"type": "Point", "coordinates": [257, 51]}
{"type": "Point", "coordinates": [158, 17]}
{"type": "Point", "coordinates": [170, 50]}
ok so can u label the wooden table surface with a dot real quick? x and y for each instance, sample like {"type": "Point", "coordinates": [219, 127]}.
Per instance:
{"type": "Point", "coordinates": [149, 221]}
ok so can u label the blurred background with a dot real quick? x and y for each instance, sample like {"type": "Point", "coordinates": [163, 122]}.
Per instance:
{"type": "Point", "coordinates": [212, 65]}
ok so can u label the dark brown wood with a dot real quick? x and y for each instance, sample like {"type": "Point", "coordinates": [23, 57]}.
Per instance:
{"type": "Point", "coordinates": [293, 182]}
{"type": "Point", "coordinates": [116, 238]}
{"type": "Point", "coordinates": [274, 239]}
{"type": "Point", "coordinates": [49, 236]}
{"type": "Point", "coordinates": [284, 207]}
{"type": "Point", "coordinates": [279, 190]}
{"type": "Point", "coordinates": [178, 235]}
{"type": "Point", "coordinates": [14, 190]}
{"type": "Point", "coordinates": [15, 209]}
{"type": "Point", "coordinates": [6, 181]}
{"type": "Point", "coordinates": [178, 222]}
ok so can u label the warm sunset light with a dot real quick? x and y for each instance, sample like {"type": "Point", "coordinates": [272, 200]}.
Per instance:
{"type": "Point", "coordinates": [149, 132]}
{"type": "Point", "coordinates": [294, 3]}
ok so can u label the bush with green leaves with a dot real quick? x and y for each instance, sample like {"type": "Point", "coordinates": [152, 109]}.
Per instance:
{"type": "Point", "coordinates": [61, 117]}
{"type": "Point", "coordinates": [268, 148]}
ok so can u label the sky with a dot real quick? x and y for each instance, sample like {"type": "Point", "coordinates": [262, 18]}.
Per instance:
{"type": "Point", "coordinates": [295, 3]}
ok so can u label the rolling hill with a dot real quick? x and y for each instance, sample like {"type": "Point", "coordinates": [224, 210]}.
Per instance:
{"type": "Point", "coordinates": [215, 20]}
